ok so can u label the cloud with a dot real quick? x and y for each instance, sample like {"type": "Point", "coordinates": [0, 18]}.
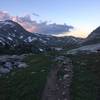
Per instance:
{"type": "Point", "coordinates": [34, 26]}
{"type": "Point", "coordinates": [35, 14]}
{"type": "Point", "coordinates": [4, 15]}
{"type": "Point", "coordinates": [53, 28]}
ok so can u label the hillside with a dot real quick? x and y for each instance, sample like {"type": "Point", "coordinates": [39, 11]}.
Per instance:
{"type": "Point", "coordinates": [86, 77]}
{"type": "Point", "coordinates": [26, 83]}
{"type": "Point", "coordinates": [94, 37]}
{"type": "Point", "coordinates": [34, 66]}
{"type": "Point", "coordinates": [14, 39]}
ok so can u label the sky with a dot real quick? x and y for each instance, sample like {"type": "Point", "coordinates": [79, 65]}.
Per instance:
{"type": "Point", "coordinates": [82, 15]}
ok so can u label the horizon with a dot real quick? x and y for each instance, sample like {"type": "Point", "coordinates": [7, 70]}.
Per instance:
{"type": "Point", "coordinates": [53, 17]}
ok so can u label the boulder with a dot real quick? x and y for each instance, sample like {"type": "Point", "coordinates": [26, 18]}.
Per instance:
{"type": "Point", "coordinates": [4, 70]}
{"type": "Point", "coordinates": [8, 65]}
{"type": "Point", "coordinates": [22, 65]}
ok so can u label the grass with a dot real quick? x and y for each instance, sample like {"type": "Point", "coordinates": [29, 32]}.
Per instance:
{"type": "Point", "coordinates": [28, 83]}
{"type": "Point", "coordinates": [86, 77]}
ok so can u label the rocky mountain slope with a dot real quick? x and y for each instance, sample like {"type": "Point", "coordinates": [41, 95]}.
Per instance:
{"type": "Point", "coordinates": [14, 38]}
{"type": "Point", "coordinates": [90, 45]}
{"type": "Point", "coordinates": [93, 38]}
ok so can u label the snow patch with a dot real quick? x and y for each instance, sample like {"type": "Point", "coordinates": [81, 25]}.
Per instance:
{"type": "Point", "coordinates": [21, 37]}
{"type": "Point", "coordinates": [30, 39]}
{"type": "Point", "coordinates": [58, 49]}
{"type": "Point", "coordinates": [15, 30]}
{"type": "Point", "coordinates": [41, 49]}
{"type": "Point", "coordinates": [0, 41]}
{"type": "Point", "coordinates": [43, 41]}
{"type": "Point", "coordinates": [6, 23]}
{"type": "Point", "coordinates": [10, 38]}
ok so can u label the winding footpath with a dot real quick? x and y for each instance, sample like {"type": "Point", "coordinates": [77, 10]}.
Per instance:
{"type": "Point", "coordinates": [59, 80]}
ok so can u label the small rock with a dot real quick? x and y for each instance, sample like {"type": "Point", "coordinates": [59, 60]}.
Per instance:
{"type": "Point", "coordinates": [65, 76]}
{"type": "Point", "coordinates": [22, 65]}
{"type": "Point", "coordinates": [59, 58]}
{"type": "Point", "coordinates": [4, 70]}
{"type": "Point", "coordinates": [33, 72]}
{"type": "Point", "coordinates": [65, 99]}
{"type": "Point", "coordinates": [64, 63]}
{"type": "Point", "coordinates": [66, 69]}
{"type": "Point", "coordinates": [63, 93]}
{"type": "Point", "coordinates": [64, 86]}
{"type": "Point", "coordinates": [8, 65]}
{"type": "Point", "coordinates": [83, 63]}
{"type": "Point", "coordinates": [42, 70]}
{"type": "Point", "coordinates": [60, 79]}
{"type": "Point", "coordinates": [16, 63]}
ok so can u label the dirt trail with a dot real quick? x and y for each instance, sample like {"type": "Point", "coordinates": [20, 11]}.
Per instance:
{"type": "Point", "coordinates": [59, 80]}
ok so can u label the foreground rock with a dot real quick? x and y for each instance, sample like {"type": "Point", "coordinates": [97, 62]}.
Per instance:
{"type": "Point", "coordinates": [59, 80]}
{"type": "Point", "coordinates": [4, 70]}
{"type": "Point", "coordinates": [8, 63]}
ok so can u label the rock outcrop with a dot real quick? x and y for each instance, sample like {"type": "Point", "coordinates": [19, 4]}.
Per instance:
{"type": "Point", "coordinates": [9, 63]}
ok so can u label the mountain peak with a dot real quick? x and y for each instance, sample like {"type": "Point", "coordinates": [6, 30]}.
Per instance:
{"type": "Point", "coordinates": [94, 37]}
{"type": "Point", "coordinates": [95, 33]}
{"type": "Point", "coordinates": [7, 22]}
{"type": "Point", "coordinates": [97, 30]}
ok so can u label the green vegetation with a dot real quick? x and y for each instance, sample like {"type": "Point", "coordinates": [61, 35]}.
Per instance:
{"type": "Point", "coordinates": [86, 77]}
{"type": "Point", "coordinates": [28, 83]}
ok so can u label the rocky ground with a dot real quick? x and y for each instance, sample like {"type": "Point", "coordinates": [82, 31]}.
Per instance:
{"type": "Point", "coordinates": [59, 80]}
{"type": "Point", "coordinates": [9, 63]}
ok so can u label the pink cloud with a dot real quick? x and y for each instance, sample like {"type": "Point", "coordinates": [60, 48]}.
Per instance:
{"type": "Point", "coordinates": [4, 15]}
{"type": "Point", "coordinates": [25, 22]}
{"type": "Point", "coordinates": [33, 26]}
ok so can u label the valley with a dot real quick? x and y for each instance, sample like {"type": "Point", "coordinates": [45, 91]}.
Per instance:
{"type": "Point", "coordinates": [34, 66]}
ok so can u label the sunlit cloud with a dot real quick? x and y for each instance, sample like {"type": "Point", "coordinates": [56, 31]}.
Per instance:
{"type": "Point", "coordinates": [4, 15]}
{"type": "Point", "coordinates": [75, 32]}
{"type": "Point", "coordinates": [34, 26]}
{"type": "Point", "coordinates": [43, 27]}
